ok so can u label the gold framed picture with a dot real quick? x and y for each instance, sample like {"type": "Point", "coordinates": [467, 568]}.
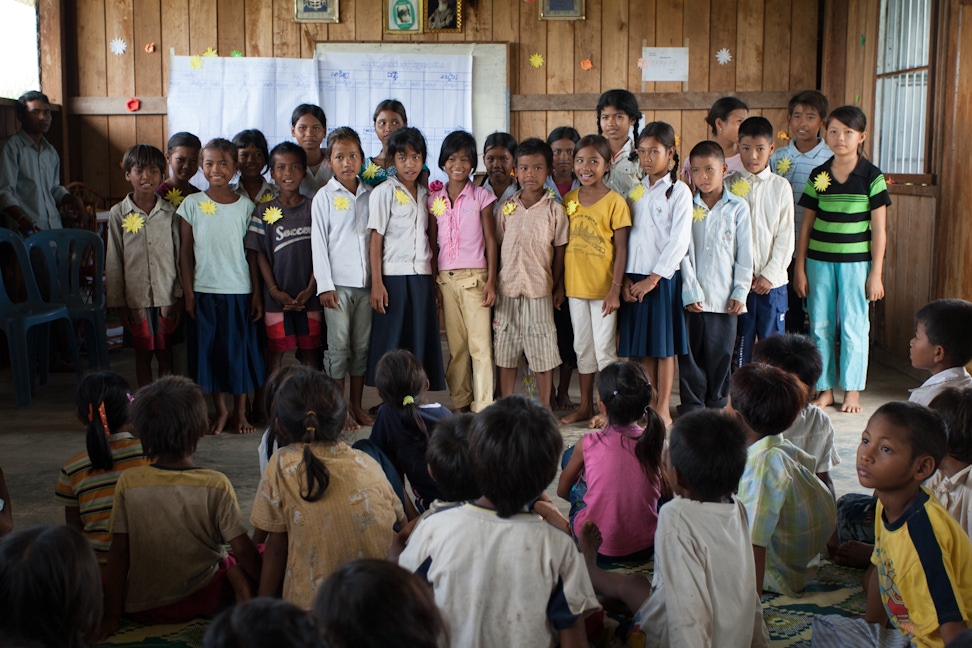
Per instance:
{"type": "Point", "coordinates": [403, 16]}
{"type": "Point", "coordinates": [562, 10]}
{"type": "Point", "coordinates": [443, 16]}
{"type": "Point", "coordinates": [316, 11]}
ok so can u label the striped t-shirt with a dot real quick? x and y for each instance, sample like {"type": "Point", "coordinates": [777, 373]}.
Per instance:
{"type": "Point", "coordinates": [93, 491]}
{"type": "Point", "coordinates": [842, 228]}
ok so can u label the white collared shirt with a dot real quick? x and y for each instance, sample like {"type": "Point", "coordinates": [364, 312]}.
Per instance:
{"type": "Point", "coordinates": [404, 222]}
{"type": "Point", "coordinates": [661, 227]}
{"type": "Point", "coordinates": [340, 237]}
{"type": "Point", "coordinates": [770, 200]}
{"type": "Point", "coordinates": [935, 385]}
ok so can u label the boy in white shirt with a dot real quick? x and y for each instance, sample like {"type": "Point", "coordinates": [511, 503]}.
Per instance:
{"type": "Point", "coordinates": [942, 346]}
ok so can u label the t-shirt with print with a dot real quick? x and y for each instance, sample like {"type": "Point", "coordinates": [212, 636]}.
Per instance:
{"type": "Point", "coordinates": [589, 260]}
{"type": "Point", "coordinates": [284, 234]}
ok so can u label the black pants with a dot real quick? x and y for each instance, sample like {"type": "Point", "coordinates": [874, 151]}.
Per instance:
{"type": "Point", "coordinates": [796, 316]}
{"type": "Point", "coordinates": [703, 372]}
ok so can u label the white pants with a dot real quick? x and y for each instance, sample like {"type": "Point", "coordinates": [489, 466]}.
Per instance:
{"type": "Point", "coordinates": [595, 336]}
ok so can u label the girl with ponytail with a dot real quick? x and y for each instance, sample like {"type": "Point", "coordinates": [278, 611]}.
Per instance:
{"type": "Point", "coordinates": [322, 502]}
{"type": "Point", "coordinates": [86, 486]}
{"type": "Point", "coordinates": [617, 114]}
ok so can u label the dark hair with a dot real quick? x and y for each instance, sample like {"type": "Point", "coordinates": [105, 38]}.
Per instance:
{"type": "Point", "coordinates": [514, 448]}
{"type": "Point", "coordinates": [534, 146]}
{"type": "Point", "coordinates": [263, 623]}
{"type": "Point", "coordinates": [310, 407]}
{"type": "Point", "coordinates": [144, 155]}
{"type": "Point", "coordinates": [927, 434]}
{"type": "Point", "coordinates": [948, 323]}
{"type": "Point", "coordinates": [284, 148]}
{"type": "Point", "coordinates": [405, 138]}
{"type": "Point", "coordinates": [373, 603]}
{"type": "Point", "coordinates": [599, 143]}
{"type": "Point", "coordinates": [343, 134]}
{"type": "Point", "coordinates": [811, 99]}
{"type": "Point", "coordinates": [794, 353]}
{"type": "Point", "coordinates": [850, 116]}
{"type": "Point", "coordinates": [708, 449]}
{"type": "Point", "coordinates": [448, 457]}
{"type": "Point", "coordinates": [32, 95]}
{"type": "Point", "coordinates": [308, 109]}
{"type": "Point", "coordinates": [626, 102]}
{"type": "Point", "coordinates": [456, 142]}
{"type": "Point", "coordinates": [503, 140]}
{"type": "Point", "coordinates": [401, 382]}
{"type": "Point", "coordinates": [664, 134]}
{"type": "Point", "coordinates": [103, 393]}
{"type": "Point", "coordinates": [767, 398]}
{"type": "Point", "coordinates": [393, 105]}
{"type": "Point", "coordinates": [50, 588]}
{"type": "Point", "coordinates": [170, 417]}
{"type": "Point", "coordinates": [253, 137]}
{"type": "Point", "coordinates": [954, 405]}
{"type": "Point", "coordinates": [270, 389]}
{"type": "Point", "coordinates": [721, 110]}
{"type": "Point", "coordinates": [756, 127]}
{"type": "Point", "coordinates": [708, 148]}
{"type": "Point", "coordinates": [563, 132]}
{"type": "Point", "coordinates": [182, 138]}
{"type": "Point", "coordinates": [627, 394]}
{"type": "Point", "coordinates": [223, 145]}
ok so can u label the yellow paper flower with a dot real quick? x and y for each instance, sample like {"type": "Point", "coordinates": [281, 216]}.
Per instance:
{"type": "Point", "coordinates": [536, 60]}
{"type": "Point", "coordinates": [174, 196]}
{"type": "Point", "coordinates": [782, 136]}
{"type": "Point", "coordinates": [266, 197]}
{"type": "Point", "coordinates": [401, 197]}
{"type": "Point", "coordinates": [133, 222]}
{"type": "Point", "coordinates": [509, 208]}
{"type": "Point", "coordinates": [438, 207]}
{"type": "Point", "coordinates": [699, 213]}
{"type": "Point", "coordinates": [272, 214]}
{"type": "Point", "coordinates": [341, 203]}
{"type": "Point", "coordinates": [196, 62]}
{"type": "Point", "coordinates": [740, 187]}
{"type": "Point", "coordinates": [550, 193]}
{"type": "Point", "coordinates": [371, 171]}
{"type": "Point", "coordinates": [208, 207]}
{"type": "Point", "coordinates": [783, 166]}
{"type": "Point", "coordinates": [678, 141]}
{"type": "Point", "coordinates": [822, 181]}
{"type": "Point", "coordinates": [635, 194]}
{"type": "Point", "coordinates": [571, 207]}
{"type": "Point", "coordinates": [209, 52]}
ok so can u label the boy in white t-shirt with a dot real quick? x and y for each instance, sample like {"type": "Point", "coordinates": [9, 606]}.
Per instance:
{"type": "Point", "coordinates": [942, 346]}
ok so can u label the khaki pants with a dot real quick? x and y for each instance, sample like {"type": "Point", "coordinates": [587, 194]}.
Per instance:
{"type": "Point", "coordinates": [468, 329]}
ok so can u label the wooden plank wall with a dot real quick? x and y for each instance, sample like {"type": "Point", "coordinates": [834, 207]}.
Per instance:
{"type": "Point", "coordinates": [774, 45]}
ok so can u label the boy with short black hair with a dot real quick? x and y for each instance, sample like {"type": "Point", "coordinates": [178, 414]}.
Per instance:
{"type": "Point", "coordinates": [952, 482]}
{"type": "Point", "coordinates": [448, 458]}
{"type": "Point", "coordinates": [791, 512]}
{"type": "Point", "coordinates": [702, 546]}
{"type": "Point", "coordinates": [942, 346]}
{"type": "Point", "coordinates": [770, 201]}
{"type": "Point", "coordinates": [492, 591]}
{"type": "Point", "coordinates": [922, 581]}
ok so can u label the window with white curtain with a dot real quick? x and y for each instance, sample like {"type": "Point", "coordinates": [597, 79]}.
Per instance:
{"type": "Point", "coordinates": [901, 97]}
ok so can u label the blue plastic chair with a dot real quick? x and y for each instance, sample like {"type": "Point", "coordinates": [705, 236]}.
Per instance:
{"type": "Point", "coordinates": [17, 320]}
{"type": "Point", "coordinates": [67, 256]}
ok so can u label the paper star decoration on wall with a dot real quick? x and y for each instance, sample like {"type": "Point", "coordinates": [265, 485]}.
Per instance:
{"type": "Point", "coordinates": [783, 136]}
{"type": "Point", "coordinates": [266, 197]}
{"type": "Point", "coordinates": [536, 60]}
{"type": "Point", "coordinates": [740, 187]}
{"type": "Point", "coordinates": [723, 56]}
{"type": "Point", "coordinates": [236, 54]}
{"type": "Point", "coordinates": [371, 170]}
{"type": "Point", "coordinates": [438, 206]}
{"type": "Point", "coordinates": [509, 208]}
{"type": "Point", "coordinates": [196, 62]}
{"type": "Point", "coordinates": [783, 166]}
{"type": "Point", "coordinates": [571, 207]}
{"type": "Point", "coordinates": [118, 46]}
{"type": "Point", "coordinates": [642, 63]}
{"type": "Point", "coordinates": [587, 64]}
{"type": "Point", "coordinates": [208, 207]}
{"type": "Point", "coordinates": [341, 203]}
{"type": "Point", "coordinates": [699, 213]}
{"type": "Point", "coordinates": [401, 197]}
{"type": "Point", "coordinates": [209, 52]}
{"type": "Point", "coordinates": [133, 223]}
{"type": "Point", "coordinates": [174, 196]}
{"type": "Point", "coordinates": [822, 181]}
{"type": "Point", "coordinates": [272, 214]}
{"type": "Point", "coordinates": [635, 194]}
{"type": "Point", "coordinates": [149, 48]}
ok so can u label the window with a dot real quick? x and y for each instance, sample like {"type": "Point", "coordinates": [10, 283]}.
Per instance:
{"type": "Point", "coordinates": [903, 82]}
{"type": "Point", "coordinates": [19, 48]}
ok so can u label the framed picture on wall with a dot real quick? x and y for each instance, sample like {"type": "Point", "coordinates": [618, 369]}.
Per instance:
{"type": "Point", "coordinates": [561, 9]}
{"type": "Point", "coordinates": [403, 16]}
{"type": "Point", "coordinates": [316, 11]}
{"type": "Point", "coordinates": [443, 16]}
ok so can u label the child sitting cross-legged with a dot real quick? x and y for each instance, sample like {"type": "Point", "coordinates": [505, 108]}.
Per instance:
{"type": "Point", "coordinates": [952, 482]}
{"type": "Point", "coordinates": [703, 591]}
{"type": "Point", "coordinates": [791, 512]}
{"type": "Point", "coordinates": [491, 589]}
{"type": "Point", "coordinates": [942, 346]}
{"type": "Point", "coordinates": [921, 580]}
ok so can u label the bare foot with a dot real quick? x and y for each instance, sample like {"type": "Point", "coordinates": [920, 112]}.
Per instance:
{"type": "Point", "coordinates": [237, 579]}
{"type": "Point", "coordinates": [589, 542]}
{"type": "Point", "coordinates": [562, 401]}
{"type": "Point", "coordinates": [854, 554]}
{"type": "Point", "coordinates": [361, 416]}
{"type": "Point", "coordinates": [218, 423]}
{"type": "Point", "coordinates": [852, 402]}
{"type": "Point", "coordinates": [350, 423]}
{"type": "Point", "coordinates": [599, 422]}
{"type": "Point", "coordinates": [824, 398]}
{"type": "Point", "coordinates": [238, 424]}
{"type": "Point", "coordinates": [577, 416]}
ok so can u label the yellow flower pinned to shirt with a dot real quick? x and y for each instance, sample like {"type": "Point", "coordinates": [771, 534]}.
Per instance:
{"type": "Point", "coordinates": [174, 196]}
{"type": "Point", "coordinates": [371, 171]}
{"type": "Point", "coordinates": [740, 187]}
{"type": "Point", "coordinates": [699, 213]}
{"type": "Point", "coordinates": [551, 193]}
{"type": "Point", "coordinates": [208, 207]}
{"type": "Point", "coordinates": [571, 207]}
{"type": "Point", "coordinates": [401, 197]}
{"type": "Point", "coordinates": [635, 194]}
{"type": "Point", "coordinates": [272, 214]}
{"type": "Point", "coordinates": [266, 197]}
{"type": "Point", "coordinates": [342, 203]}
{"type": "Point", "coordinates": [822, 181]}
{"type": "Point", "coordinates": [509, 208]}
{"type": "Point", "coordinates": [438, 207]}
{"type": "Point", "coordinates": [196, 62]}
{"type": "Point", "coordinates": [783, 166]}
{"type": "Point", "coordinates": [133, 223]}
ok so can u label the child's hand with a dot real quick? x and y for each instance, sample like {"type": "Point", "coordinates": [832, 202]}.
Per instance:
{"type": "Point", "coordinates": [256, 306]}
{"type": "Point", "coordinates": [190, 299]}
{"type": "Point", "coordinates": [875, 287]}
{"type": "Point", "coordinates": [282, 298]}
{"type": "Point", "coordinates": [761, 285]}
{"type": "Point", "coordinates": [173, 313]}
{"type": "Point", "coordinates": [612, 302]}
{"type": "Point", "coordinates": [489, 294]}
{"type": "Point", "coordinates": [643, 287]}
{"type": "Point", "coordinates": [379, 297]}
{"type": "Point", "coordinates": [800, 286]}
{"type": "Point", "coordinates": [735, 307]}
{"type": "Point", "coordinates": [438, 297]}
{"type": "Point", "coordinates": [300, 301]}
{"type": "Point", "coordinates": [694, 308]}
{"type": "Point", "coordinates": [329, 299]}
{"type": "Point", "coordinates": [559, 296]}
{"type": "Point", "coordinates": [626, 285]}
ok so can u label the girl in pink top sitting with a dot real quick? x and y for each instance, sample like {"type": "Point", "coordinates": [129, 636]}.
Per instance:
{"type": "Point", "coordinates": [613, 477]}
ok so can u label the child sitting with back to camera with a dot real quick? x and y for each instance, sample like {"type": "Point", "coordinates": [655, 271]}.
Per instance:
{"type": "Point", "coordinates": [702, 546]}
{"type": "Point", "coordinates": [170, 520]}
{"type": "Point", "coordinates": [942, 346]}
{"type": "Point", "coordinates": [613, 477]}
{"type": "Point", "coordinates": [474, 555]}
{"type": "Point", "coordinates": [791, 512]}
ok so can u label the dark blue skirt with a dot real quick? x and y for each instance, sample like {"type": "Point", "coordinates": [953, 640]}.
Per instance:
{"type": "Point", "coordinates": [224, 355]}
{"type": "Point", "coordinates": [655, 327]}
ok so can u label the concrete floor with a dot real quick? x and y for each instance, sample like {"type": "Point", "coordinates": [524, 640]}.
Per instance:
{"type": "Point", "coordinates": [36, 441]}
